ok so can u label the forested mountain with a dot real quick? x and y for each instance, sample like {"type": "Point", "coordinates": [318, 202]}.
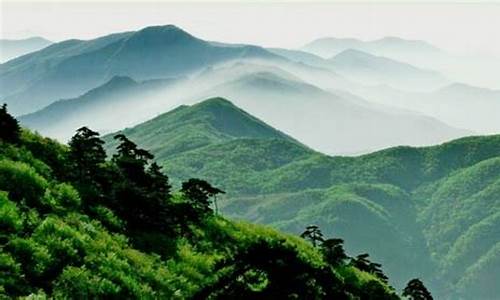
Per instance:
{"type": "Point", "coordinates": [78, 225]}
{"type": "Point", "coordinates": [10, 49]}
{"type": "Point", "coordinates": [399, 203]}
{"type": "Point", "coordinates": [70, 68]}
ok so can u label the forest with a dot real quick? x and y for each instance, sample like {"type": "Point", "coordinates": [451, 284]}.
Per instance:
{"type": "Point", "coordinates": [77, 224]}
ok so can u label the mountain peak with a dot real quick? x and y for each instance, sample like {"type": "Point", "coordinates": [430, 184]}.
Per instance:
{"type": "Point", "coordinates": [161, 34]}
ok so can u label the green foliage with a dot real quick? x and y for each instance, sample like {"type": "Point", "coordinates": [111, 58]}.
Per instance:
{"type": "Point", "coordinates": [59, 243]}
{"type": "Point", "coordinates": [22, 182]}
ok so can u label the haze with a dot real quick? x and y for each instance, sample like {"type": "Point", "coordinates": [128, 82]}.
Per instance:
{"type": "Point", "coordinates": [291, 25]}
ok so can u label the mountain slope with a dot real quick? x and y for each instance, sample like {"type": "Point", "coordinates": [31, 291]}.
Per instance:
{"type": "Point", "coordinates": [374, 70]}
{"type": "Point", "coordinates": [10, 49]}
{"type": "Point", "coordinates": [457, 104]}
{"type": "Point", "coordinates": [115, 104]}
{"type": "Point", "coordinates": [276, 96]}
{"type": "Point", "coordinates": [392, 47]}
{"type": "Point", "coordinates": [310, 114]}
{"type": "Point", "coordinates": [58, 242]}
{"type": "Point", "coordinates": [400, 192]}
{"type": "Point", "coordinates": [70, 68]}
{"type": "Point", "coordinates": [185, 128]}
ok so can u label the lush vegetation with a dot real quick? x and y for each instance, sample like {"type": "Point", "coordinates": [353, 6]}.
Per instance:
{"type": "Point", "coordinates": [77, 224]}
{"type": "Point", "coordinates": [422, 212]}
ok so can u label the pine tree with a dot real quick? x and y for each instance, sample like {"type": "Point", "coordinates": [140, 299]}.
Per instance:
{"type": "Point", "coordinates": [198, 193]}
{"type": "Point", "coordinates": [334, 252]}
{"type": "Point", "coordinates": [10, 131]}
{"type": "Point", "coordinates": [313, 234]}
{"type": "Point", "coordinates": [415, 290]}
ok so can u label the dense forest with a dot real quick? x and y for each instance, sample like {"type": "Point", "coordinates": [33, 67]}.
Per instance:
{"type": "Point", "coordinates": [77, 224]}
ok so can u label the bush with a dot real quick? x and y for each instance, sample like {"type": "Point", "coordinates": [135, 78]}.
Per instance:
{"type": "Point", "coordinates": [22, 182]}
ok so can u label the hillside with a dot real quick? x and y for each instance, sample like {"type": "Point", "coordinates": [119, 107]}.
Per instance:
{"type": "Point", "coordinates": [400, 192]}
{"type": "Point", "coordinates": [98, 108]}
{"type": "Point", "coordinates": [11, 49]}
{"type": "Point", "coordinates": [70, 68]}
{"type": "Point", "coordinates": [369, 69]}
{"type": "Point", "coordinates": [77, 226]}
{"type": "Point", "coordinates": [186, 128]}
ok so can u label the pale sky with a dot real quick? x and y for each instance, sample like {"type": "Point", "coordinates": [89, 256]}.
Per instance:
{"type": "Point", "coordinates": [472, 28]}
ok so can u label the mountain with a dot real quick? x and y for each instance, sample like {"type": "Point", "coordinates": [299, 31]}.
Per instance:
{"type": "Point", "coordinates": [376, 70]}
{"type": "Point", "coordinates": [274, 95]}
{"type": "Point", "coordinates": [457, 104]}
{"type": "Point", "coordinates": [404, 194]}
{"type": "Point", "coordinates": [393, 47]}
{"type": "Point", "coordinates": [113, 105]}
{"type": "Point", "coordinates": [209, 122]}
{"type": "Point", "coordinates": [70, 68]}
{"type": "Point", "coordinates": [11, 49]}
{"type": "Point", "coordinates": [139, 241]}
{"type": "Point", "coordinates": [310, 114]}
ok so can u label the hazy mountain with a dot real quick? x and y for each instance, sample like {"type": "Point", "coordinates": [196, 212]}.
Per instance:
{"type": "Point", "coordinates": [374, 70]}
{"type": "Point", "coordinates": [392, 47]}
{"type": "Point", "coordinates": [351, 124]}
{"type": "Point", "coordinates": [300, 56]}
{"type": "Point", "coordinates": [118, 103]}
{"type": "Point", "coordinates": [390, 202]}
{"type": "Point", "coordinates": [457, 104]}
{"type": "Point", "coordinates": [70, 68]}
{"type": "Point", "coordinates": [10, 49]}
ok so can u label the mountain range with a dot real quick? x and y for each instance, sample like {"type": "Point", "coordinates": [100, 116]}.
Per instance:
{"type": "Point", "coordinates": [280, 98]}
{"type": "Point", "coordinates": [400, 203]}
{"type": "Point", "coordinates": [70, 68]}
{"type": "Point", "coordinates": [10, 49]}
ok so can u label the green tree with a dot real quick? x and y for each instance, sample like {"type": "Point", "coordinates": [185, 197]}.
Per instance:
{"type": "Point", "coordinates": [313, 234]}
{"type": "Point", "coordinates": [333, 251]}
{"type": "Point", "coordinates": [415, 290]}
{"type": "Point", "coordinates": [198, 193]}
{"type": "Point", "coordinates": [10, 130]}
{"type": "Point", "coordinates": [87, 157]}
{"type": "Point", "coordinates": [364, 264]}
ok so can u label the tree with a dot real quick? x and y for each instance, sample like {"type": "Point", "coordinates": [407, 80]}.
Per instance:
{"type": "Point", "coordinates": [313, 234]}
{"type": "Point", "coordinates": [362, 263]}
{"type": "Point", "coordinates": [86, 159]}
{"type": "Point", "coordinates": [198, 193]}
{"type": "Point", "coordinates": [86, 153]}
{"type": "Point", "coordinates": [334, 252]}
{"type": "Point", "coordinates": [10, 131]}
{"type": "Point", "coordinates": [415, 290]}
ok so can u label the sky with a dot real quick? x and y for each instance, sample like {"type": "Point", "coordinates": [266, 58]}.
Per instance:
{"type": "Point", "coordinates": [465, 28]}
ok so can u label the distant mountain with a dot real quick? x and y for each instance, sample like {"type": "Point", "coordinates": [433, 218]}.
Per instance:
{"type": "Point", "coordinates": [118, 103]}
{"type": "Point", "coordinates": [10, 49]}
{"type": "Point", "coordinates": [369, 69]}
{"type": "Point", "coordinates": [332, 122]}
{"type": "Point", "coordinates": [351, 124]}
{"type": "Point", "coordinates": [459, 105]}
{"type": "Point", "coordinates": [392, 47]}
{"type": "Point", "coordinates": [72, 67]}
{"type": "Point", "coordinates": [404, 194]}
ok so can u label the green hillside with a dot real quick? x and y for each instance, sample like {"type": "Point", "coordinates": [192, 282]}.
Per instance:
{"type": "Point", "coordinates": [77, 225]}
{"type": "Point", "coordinates": [431, 209]}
